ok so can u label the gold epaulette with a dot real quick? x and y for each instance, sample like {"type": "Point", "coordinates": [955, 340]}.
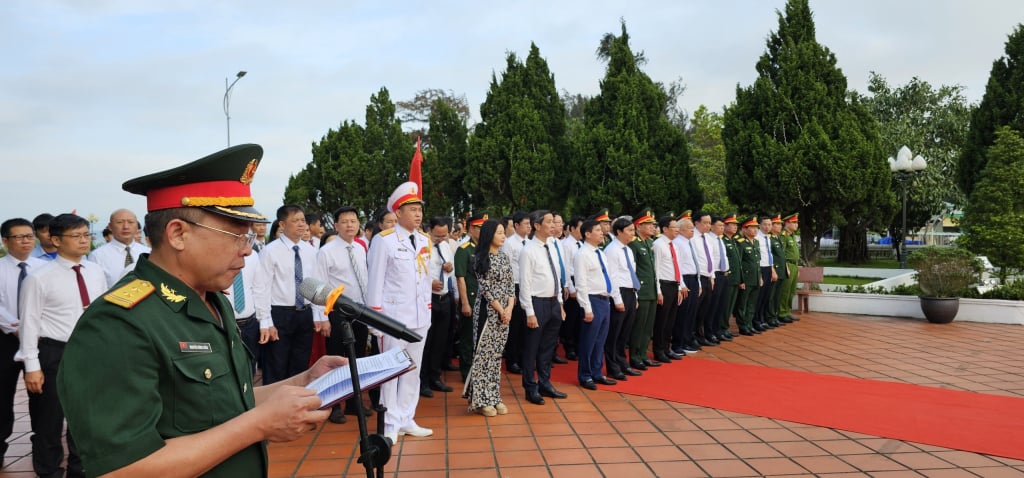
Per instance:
{"type": "Point", "coordinates": [740, 240]}
{"type": "Point", "coordinates": [130, 294]}
{"type": "Point", "coordinates": [465, 245]}
{"type": "Point", "coordinates": [386, 232]}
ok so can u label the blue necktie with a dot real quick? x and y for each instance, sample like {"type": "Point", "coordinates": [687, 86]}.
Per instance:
{"type": "Point", "coordinates": [768, 247]}
{"type": "Point", "coordinates": [632, 272]}
{"type": "Point", "coordinates": [607, 281]}
{"type": "Point", "coordinates": [561, 265]}
{"type": "Point", "coordinates": [441, 275]}
{"type": "Point", "coordinates": [299, 301]}
{"type": "Point", "coordinates": [21, 278]}
{"type": "Point", "coordinates": [238, 293]}
{"type": "Point", "coordinates": [722, 266]}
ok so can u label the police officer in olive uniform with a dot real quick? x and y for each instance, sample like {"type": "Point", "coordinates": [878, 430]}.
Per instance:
{"type": "Point", "coordinates": [779, 263]}
{"type": "Point", "coordinates": [468, 286]}
{"type": "Point", "coordinates": [750, 276]}
{"type": "Point", "coordinates": [159, 359]}
{"type": "Point", "coordinates": [647, 297]}
{"type": "Point", "coordinates": [732, 252]}
{"type": "Point", "coordinates": [790, 224]}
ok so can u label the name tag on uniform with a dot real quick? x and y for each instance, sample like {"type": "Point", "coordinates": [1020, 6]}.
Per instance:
{"type": "Point", "coordinates": [195, 347]}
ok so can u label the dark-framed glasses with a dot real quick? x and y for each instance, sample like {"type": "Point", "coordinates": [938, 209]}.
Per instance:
{"type": "Point", "coordinates": [242, 240]}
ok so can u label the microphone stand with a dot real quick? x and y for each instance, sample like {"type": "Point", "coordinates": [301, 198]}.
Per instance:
{"type": "Point", "coordinates": [375, 449]}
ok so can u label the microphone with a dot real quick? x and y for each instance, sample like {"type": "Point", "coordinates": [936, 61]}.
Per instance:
{"type": "Point", "coordinates": [317, 292]}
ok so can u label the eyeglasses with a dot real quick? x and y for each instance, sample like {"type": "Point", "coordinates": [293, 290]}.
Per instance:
{"type": "Point", "coordinates": [78, 236]}
{"type": "Point", "coordinates": [22, 237]}
{"type": "Point", "coordinates": [242, 240]}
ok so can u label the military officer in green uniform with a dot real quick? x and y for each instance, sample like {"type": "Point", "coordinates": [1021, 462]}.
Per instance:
{"type": "Point", "coordinates": [790, 224]}
{"type": "Point", "coordinates": [732, 252]}
{"type": "Point", "coordinates": [156, 380]}
{"type": "Point", "coordinates": [647, 297]}
{"type": "Point", "coordinates": [467, 293]}
{"type": "Point", "coordinates": [750, 276]}
{"type": "Point", "coordinates": [779, 263]}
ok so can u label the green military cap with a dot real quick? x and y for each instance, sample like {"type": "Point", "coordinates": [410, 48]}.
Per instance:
{"type": "Point", "coordinates": [218, 183]}
{"type": "Point", "coordinates": [795, 217]}
{"type": "Point", "coordinates": [687, 214]}
{"type": "Point", "coordinates": [601, 216]}
{"type": "Point", "coordinates": [644, 216]}
{"type": "Point", "coordinates": [477, 218]}
{"type": "Point", "coordinates": [731, 219]}
{"type": "Point", "coordinates": [750, 221]}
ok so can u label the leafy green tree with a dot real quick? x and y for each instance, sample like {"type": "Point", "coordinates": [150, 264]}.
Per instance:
{"type": "Point", "coordinates": [795, 141]}
{"type": "Point", "coordinates": [355, 165]}
{"type": "Point", "coordinates": [1003, 104]}
{"type": "Point", "coordinates": [707, 159]}
{"type": "Point", "coordinates": [995, 212]}
{"type": "Point", "coordinates": [444, 161]}
{"type": "Point", "coordinates": [931, 122]}
{"type": "Point", "coordinates": [630, 154]}
{"type": "Point", "coordinates": [517, 151]}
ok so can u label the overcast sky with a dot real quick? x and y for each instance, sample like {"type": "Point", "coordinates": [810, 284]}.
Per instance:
{"type": "Point", "coordinates": [95, 92]}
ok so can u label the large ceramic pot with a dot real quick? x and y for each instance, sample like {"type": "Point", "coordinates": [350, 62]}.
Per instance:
{"type": "Point", "coordinates": [940, 310]}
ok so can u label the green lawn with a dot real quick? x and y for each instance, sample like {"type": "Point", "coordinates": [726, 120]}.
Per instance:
{"type": "Point", "coordinates": [847, 280]}
{"type": "Point", "coordinates": [871, 264]}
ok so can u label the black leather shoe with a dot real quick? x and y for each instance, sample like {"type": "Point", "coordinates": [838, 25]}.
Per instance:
{"type": "Point", "coordinates": [571, 355]}
{"type": "Point", "coordinates": [559, 360]}
{"type": "Point", "coordinates": [758, 326]}
{"type": "Point", "coordinates": [756, 330]}
{"type": "Point", "coordinates": [725, 338]}
{"type": "Point", "coordinates": [605, 381]}
{"type": "Point", "coordinates": [785, 320]}
{"type": "Point", "coordinates": [535, 398]}
{"type": "Point", "coordinates": [439, 386]}
{"type": "Point", "coordinates": [632, 372]}
{"type": "Point", "coordinates": [746, 331]}
{"type": "Point", "coordinates": [337, 416]}
{"type": "Point", "coordinates": [551, 392]}
{"type": "Point", "coordinates": [704, 342]}
{"type": "Point", "coordinates": [451, 367]}
{"type": "Point", "coordinates": [661, 357]}
{"type": "Point", "coordinates": [638, 365]}
{"type": "Point", "coordinates": [426, 392]}
{"type": "Point", "coordinates": [775, 323]}
{"type": "Point", "coordinates": [514, 368]}
{"type": "Point", "coordinates": [727, 333]}
{"type": "Point", "coordinates": [589, 385]}
{"type": "Point", "coordinates": [674, 356]}
{"type": "Point", "coordinates": [694, 344]}
{"type": "Point", "coordinates": [651, 363]}
{"type": "Point", "coordinates": [618, 376]}
{"type": "Point", "coordinates": [794, 318]}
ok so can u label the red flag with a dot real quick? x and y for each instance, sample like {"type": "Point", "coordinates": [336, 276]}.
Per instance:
{"type": "Point", "coordinates": [414, 169]}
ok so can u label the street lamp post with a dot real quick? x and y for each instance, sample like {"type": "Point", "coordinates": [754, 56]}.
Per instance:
{"type": "Point", "coordinates": [903, 169]}
{"type": "Point", "coordinates": [227, 100]}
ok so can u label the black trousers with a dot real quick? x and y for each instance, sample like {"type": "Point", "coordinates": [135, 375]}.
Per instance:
{"type": "Point", "coordinates": [9, 372]}
{"type": "Point", "coordinates": [682, 333]}
{"type": "Point", "coordinates": [706, 320]}
{"type": "Point", "coordinates": [763, 295]}
{"type": "Point", "coordinates": [249, 330]}
{"type": "Point", "coordinates": [435, 347]}
{"type": "Point", "coordinates": [516, 329]}
{"type": "Point", "coordinates": [47, 418]}
{"type": "Point", "coordinates": [570, 332]}
{"type": "Point", "coordinates": [620, 327]}
{"type": "Point", "coordinates": [665, 316]}
{"type": "Point", "coordinates": [539, 344]}
{"type": "Point", "coordinates": [713, 322]}
{"type": "Point", "coordinates": [289, 354]}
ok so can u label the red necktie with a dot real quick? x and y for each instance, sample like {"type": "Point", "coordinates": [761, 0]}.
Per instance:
{"type": "Point", "coordinates": [675, 262]}
{"type": "Point", "coordinates": [83, 292]}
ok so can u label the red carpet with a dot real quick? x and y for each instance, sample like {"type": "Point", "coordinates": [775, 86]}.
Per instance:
{"type": "Point", "coordinates": [988, 424]}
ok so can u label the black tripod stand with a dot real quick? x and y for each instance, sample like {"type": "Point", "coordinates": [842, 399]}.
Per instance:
{"type": "Point", "coordinates": [375, 449]}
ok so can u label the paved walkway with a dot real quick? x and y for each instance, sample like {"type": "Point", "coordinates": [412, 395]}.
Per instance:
{"type": "Point", "coordinates": [603, 433]}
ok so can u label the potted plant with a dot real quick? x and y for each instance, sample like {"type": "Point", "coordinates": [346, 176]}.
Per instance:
{"type": "Point", "coordinates": [944, 275]}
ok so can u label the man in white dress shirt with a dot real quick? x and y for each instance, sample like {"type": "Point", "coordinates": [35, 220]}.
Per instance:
{"type": "Point", "coordinates": [705, 245]}
{"type": "Point", "coordinates": [594, 290]}
{"type": "Point", "coordinates": [399, 285]}
{"type": "Point", "coordinates": [540, 292]}
{"type": "Point", "coordinates": [52, 299]}
{"type": "Point", "coordinates": [671, 290]}
{"type": "Point", "coordinates": [570, 332]}
{"type": "Point", "coordinates": [435, 348]}
{"type": "Point", "coordinates": [14, 268]}
{"type": "Point", "coordinates": [683, 339]}
{"type": "Point", "coordinates": [284, 262]}
{"type": "Point", "coordinates": [622, 270]}
{"type": "Point", "coordinates": [122, 251]}
{"type": "Point", "coordinates": [517, 326]}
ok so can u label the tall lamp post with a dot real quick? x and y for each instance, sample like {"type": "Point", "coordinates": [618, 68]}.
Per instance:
{"type": "Point", "coordinates": [903, 169]}
{"type": "Point", "coordinates": [227, 100]}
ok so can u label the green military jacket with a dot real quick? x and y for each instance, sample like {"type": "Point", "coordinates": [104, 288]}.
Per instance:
{"type": "Point", "coordinates": [732, 252]}
{"type": "Point", "coordinates": [149, 363]}
{"type": "Point", "coordinates": [645, 268]}
{"type": "Point", "coordinates": [791, 247]}
{"type": "Point", "coordinates": [750, 261]}
{"type": "Point", "coordinates": [778, 256]}
{"type": "Point", "coordinates": [464, 268]}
